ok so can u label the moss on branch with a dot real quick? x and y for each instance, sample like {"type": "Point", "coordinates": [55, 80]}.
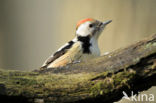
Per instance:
{"type": "Point", "coordinates": [98, 80]}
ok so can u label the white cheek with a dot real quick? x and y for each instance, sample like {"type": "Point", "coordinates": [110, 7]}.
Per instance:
{"type": "Point", "coordinates": [83, 30]}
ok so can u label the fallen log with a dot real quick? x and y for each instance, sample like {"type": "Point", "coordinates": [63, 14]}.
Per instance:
{"type": "Point", "coordinates": [99, 80]}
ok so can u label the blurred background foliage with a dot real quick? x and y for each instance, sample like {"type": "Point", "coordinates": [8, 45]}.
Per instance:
{"type": "Point", "coordinates": [31, 30]}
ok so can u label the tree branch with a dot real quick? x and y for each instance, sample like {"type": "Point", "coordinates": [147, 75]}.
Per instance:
{"type": "Point", "coordinates": [99, 80]}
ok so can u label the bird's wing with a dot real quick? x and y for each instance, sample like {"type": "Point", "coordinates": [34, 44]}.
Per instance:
{"type": "Point", "coordinates": [58, 54]}
{"type": "Point", "coordinates": [53, 58]}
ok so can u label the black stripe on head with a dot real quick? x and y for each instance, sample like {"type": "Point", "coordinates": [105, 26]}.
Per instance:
{"type": "Point", "coordinates": [85, 43]}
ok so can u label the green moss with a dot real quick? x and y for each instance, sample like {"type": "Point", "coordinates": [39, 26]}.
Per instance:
{"type": "Point", "coordinates": [34, 85]}
{"type": "Point", "coordinates": [31, 84]}
{"type": "Point", "coordinates": [99, 88]}
{"type": "Point", "coordinates": [123, 77]}
{"type": "Point", "coordinates": [101, 75]}
{"type": "Point", "coordinates": [111, 83]}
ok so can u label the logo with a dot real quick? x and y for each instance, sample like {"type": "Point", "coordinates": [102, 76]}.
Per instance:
{"type": "Point", "coordinates": [140, 97]}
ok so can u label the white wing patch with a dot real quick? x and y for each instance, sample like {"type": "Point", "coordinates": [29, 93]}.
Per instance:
{"type": "Point", "coordinates": [61, 51]}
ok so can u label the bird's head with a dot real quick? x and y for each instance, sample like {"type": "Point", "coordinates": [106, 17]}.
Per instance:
{"type": "Point", "coordinates": [90, 27]}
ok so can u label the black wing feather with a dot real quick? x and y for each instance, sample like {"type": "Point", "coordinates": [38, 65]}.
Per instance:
{"type": "Point", "coordinates": [58, 53]}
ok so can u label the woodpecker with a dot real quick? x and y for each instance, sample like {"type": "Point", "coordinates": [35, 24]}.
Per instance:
{"type": "Point", "coordinates": [82, 48]}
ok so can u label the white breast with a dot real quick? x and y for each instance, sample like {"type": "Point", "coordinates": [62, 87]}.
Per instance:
{"type": "Point", "coordinates": [94, 48]}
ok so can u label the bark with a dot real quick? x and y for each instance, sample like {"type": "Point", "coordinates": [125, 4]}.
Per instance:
{"type": "Point", "coordinates": [100, 80]}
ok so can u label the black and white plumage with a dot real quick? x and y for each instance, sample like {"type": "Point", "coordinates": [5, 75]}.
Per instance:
{"type": "Point", "coordinates": [83, 47]}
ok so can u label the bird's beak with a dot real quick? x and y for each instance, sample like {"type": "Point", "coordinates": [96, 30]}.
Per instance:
{"type": "Point", "coordinates": [107, 22]}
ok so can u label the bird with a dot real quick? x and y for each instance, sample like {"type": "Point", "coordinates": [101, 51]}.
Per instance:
{"type": "Point", "coordinates": [82, 48]}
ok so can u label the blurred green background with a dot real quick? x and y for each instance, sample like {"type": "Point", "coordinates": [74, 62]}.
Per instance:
{"type": "Point", "coordinates": [31, 30]}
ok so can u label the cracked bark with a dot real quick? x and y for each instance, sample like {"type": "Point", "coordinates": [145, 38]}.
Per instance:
{"type": "Point", "coordinates": [99, 80]}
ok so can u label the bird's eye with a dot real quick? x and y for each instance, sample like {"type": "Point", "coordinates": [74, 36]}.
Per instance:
{"type": "Point", "coordinates": [91, 25]}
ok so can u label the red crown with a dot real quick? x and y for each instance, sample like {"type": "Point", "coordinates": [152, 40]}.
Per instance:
{"type": "Point", "coordinates": [83, 21]}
